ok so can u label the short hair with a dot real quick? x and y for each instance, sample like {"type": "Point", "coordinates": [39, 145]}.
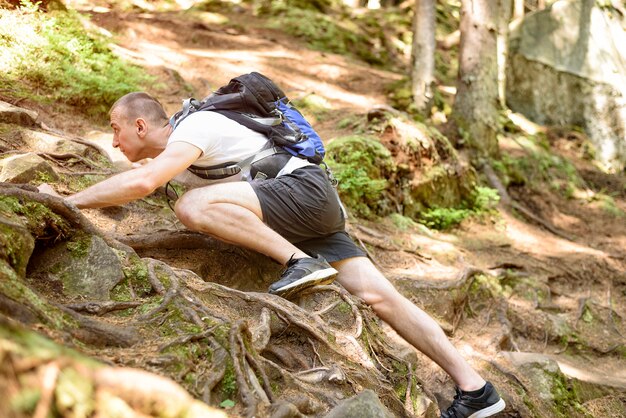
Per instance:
{"type": "Point", "coordinates": [141, 105]}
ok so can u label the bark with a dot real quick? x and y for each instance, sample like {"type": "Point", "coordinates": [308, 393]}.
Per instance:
{"type": "Point", "coordinates": [423, 55]}
{"type": "Point", "coordinates": [518, 9]}
{"type": "Point", "coordinates": [475, 108]}
{"type": "Point", "coordinates": [503, 47]}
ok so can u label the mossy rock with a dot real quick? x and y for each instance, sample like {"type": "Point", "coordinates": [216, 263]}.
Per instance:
{"type": "Point", "coordinates": [363, 167]}
{"type": "Point", "coordinates": [16, 245]}
{"type": "Point", "coordinates": [84, 266]}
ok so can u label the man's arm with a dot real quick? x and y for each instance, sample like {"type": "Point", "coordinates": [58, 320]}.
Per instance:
{"type": "Point", "coordinates": [139, 182]}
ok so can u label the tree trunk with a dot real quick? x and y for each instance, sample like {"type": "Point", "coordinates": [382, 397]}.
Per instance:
{"type": "Point", "coordinates": [518, 9]}
{"type": "Point", "coordinates": [475, 110]}
{"type": "Point", "coordinates": [423, 55]}
{"type": "Point", "coordinates": [503, 47]}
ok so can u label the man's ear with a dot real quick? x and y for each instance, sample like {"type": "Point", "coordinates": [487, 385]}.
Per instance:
{"type": "Point", "coordinates": [141, 127]}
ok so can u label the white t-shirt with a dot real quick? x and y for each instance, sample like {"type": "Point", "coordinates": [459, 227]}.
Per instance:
{"type": "Point", "coordinates": [222, 140]}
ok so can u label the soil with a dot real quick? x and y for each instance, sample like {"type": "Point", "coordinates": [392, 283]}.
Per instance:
{"type": "Point", "coordinates": [561, 297]}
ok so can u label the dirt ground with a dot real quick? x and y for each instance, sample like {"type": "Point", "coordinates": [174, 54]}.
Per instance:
{"type": "Point", "coordinates": [560, 297]}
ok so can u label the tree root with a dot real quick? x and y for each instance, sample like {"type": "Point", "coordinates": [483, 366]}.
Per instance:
{"type": "Point", "coordinates": [343, 293]}
{"type": "Point", "coordinates": [64, 209]}
{"type": "Point", "coordinates": [506, 200]}
{"type": "Point", "coordinates": [68, 156]}
{"type": "Point", "coordinates": [101, 308]}
{"type": "Point", "coordinates": [247, 382]}
{"type": "Point", "coordinates": [169, 240]}
{"type": "Point", "coordinates": [50, 374]}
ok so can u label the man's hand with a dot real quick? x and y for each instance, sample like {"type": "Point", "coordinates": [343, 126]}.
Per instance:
{"type": "Point", "coordinates": [47, 189]}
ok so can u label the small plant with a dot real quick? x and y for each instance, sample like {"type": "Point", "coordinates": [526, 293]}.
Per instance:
{"type": "Point", "coordinates": [482, 201]}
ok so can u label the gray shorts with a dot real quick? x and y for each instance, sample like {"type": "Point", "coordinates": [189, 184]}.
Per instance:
{"type": "Point", "coordinates": [304, 208]}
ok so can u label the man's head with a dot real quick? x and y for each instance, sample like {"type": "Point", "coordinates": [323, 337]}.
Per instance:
{"type": "Point", "coordinates": [140, 126]}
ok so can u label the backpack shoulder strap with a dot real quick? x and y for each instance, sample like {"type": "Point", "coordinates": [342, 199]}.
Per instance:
{"type": "Point", "coordinates": [213, 173]}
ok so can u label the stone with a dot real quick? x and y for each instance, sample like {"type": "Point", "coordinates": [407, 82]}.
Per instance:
{"type": "Point", "coordinates": [16, 244]}
{"type": "Point", "coordinates": [85, 267]}
{"type": "Point", "coordinates": [553, 50]}
{"type": "Point", "coordinates": [17, 115]}
{"type": "Point", "coordinates": [45, 142]}
{"type": "Point", "coordinates": [26, 168]}
{"type": "Point", "coordinates": [364, 405]}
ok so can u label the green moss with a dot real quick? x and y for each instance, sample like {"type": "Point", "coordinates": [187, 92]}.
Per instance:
{"type": "Point", "coordinates": [330, 32]}
{"type": "Point", "coordinates": [228, 385]}
{"type": "Point", "coordinates": [38, 218]}
{"type": "Point", "coordinates": [13, 288]}
{"type": "Point", "coordinates": [135, 273]}
{"type": "Point", "coordinates": [79, 183]}
{"type": "Point", "coordinates": [362, 165]}
{"type": "Point", "coordinates": [482, 201]}
{"type": "Point", "coordinates": [79, 245]}
{"type": "Point", "coordinates": [74, 394]}
{"type": "Point", "coordinates": [25, 401]}
{"type": "Point", "coordinates": [344, 308]}
{"type": "Point", "coordinates": [565, 397]}
{"type": "Point", "coordinates": [16, 245]}
{"type": "Point", "coordinates": [52, 58]}
{"type": "Point", "coordinates": [538, 167]}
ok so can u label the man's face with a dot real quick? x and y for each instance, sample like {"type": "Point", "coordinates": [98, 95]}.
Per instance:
{"type": "Point", "coordinates": [125, 135]}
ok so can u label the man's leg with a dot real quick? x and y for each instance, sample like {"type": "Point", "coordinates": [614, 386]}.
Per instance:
{"type": "Point", "coordinates": [231, 212]}
{"type": "Point", "coordinates": [361, 278]}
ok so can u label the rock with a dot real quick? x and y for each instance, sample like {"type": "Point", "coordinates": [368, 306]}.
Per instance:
{"type": "Point", "coordinates": [16, 245]}
{"type": "Point", "coordinates": [364, 405]}
{"type": "Point", "coordinates": [553, 50]}
{"type": "Point", "coordinates": [85, 267]}
{"type": "Point", "coordinates": [45, 142]}
{"type": "Point", "coordinates": [552, 393]}
{"type": "Point", "coordinates": [17, 115]}
{"type": "Point", "coordinates": [25, 168]}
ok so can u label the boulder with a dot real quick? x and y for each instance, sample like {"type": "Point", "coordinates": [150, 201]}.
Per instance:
{"type": "Point", "coordinates": [84, 267]}
{"type": "Point", "coordinates": [364, 405]}
{"type": "Point", "coordinates": [573, 50]}
{"type": "Point", "coordinates": [45, 142]}
{"type": "Point", "coordinates": [25, 168]}
{"type": "Point", "coordinates": [17, 115]}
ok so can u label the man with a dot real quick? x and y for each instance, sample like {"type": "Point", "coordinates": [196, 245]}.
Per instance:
{"type": "Point", "coordinates": [268, 216]}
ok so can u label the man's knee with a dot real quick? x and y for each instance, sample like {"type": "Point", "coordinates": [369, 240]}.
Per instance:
{"type": "Point", "coordinates": [361, 278]}
{"type": "Point", "coordinates": [190, 209]}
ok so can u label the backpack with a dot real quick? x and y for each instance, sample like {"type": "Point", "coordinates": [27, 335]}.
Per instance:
{"type": "Point", "coordinates": [256, 102]}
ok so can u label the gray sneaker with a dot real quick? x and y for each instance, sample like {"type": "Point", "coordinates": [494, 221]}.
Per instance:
{"type": "Point", "coordinates": [302, 273]}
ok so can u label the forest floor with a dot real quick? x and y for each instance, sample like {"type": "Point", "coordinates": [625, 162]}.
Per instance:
{"type": "Point", "coordinates": [557, 298]}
